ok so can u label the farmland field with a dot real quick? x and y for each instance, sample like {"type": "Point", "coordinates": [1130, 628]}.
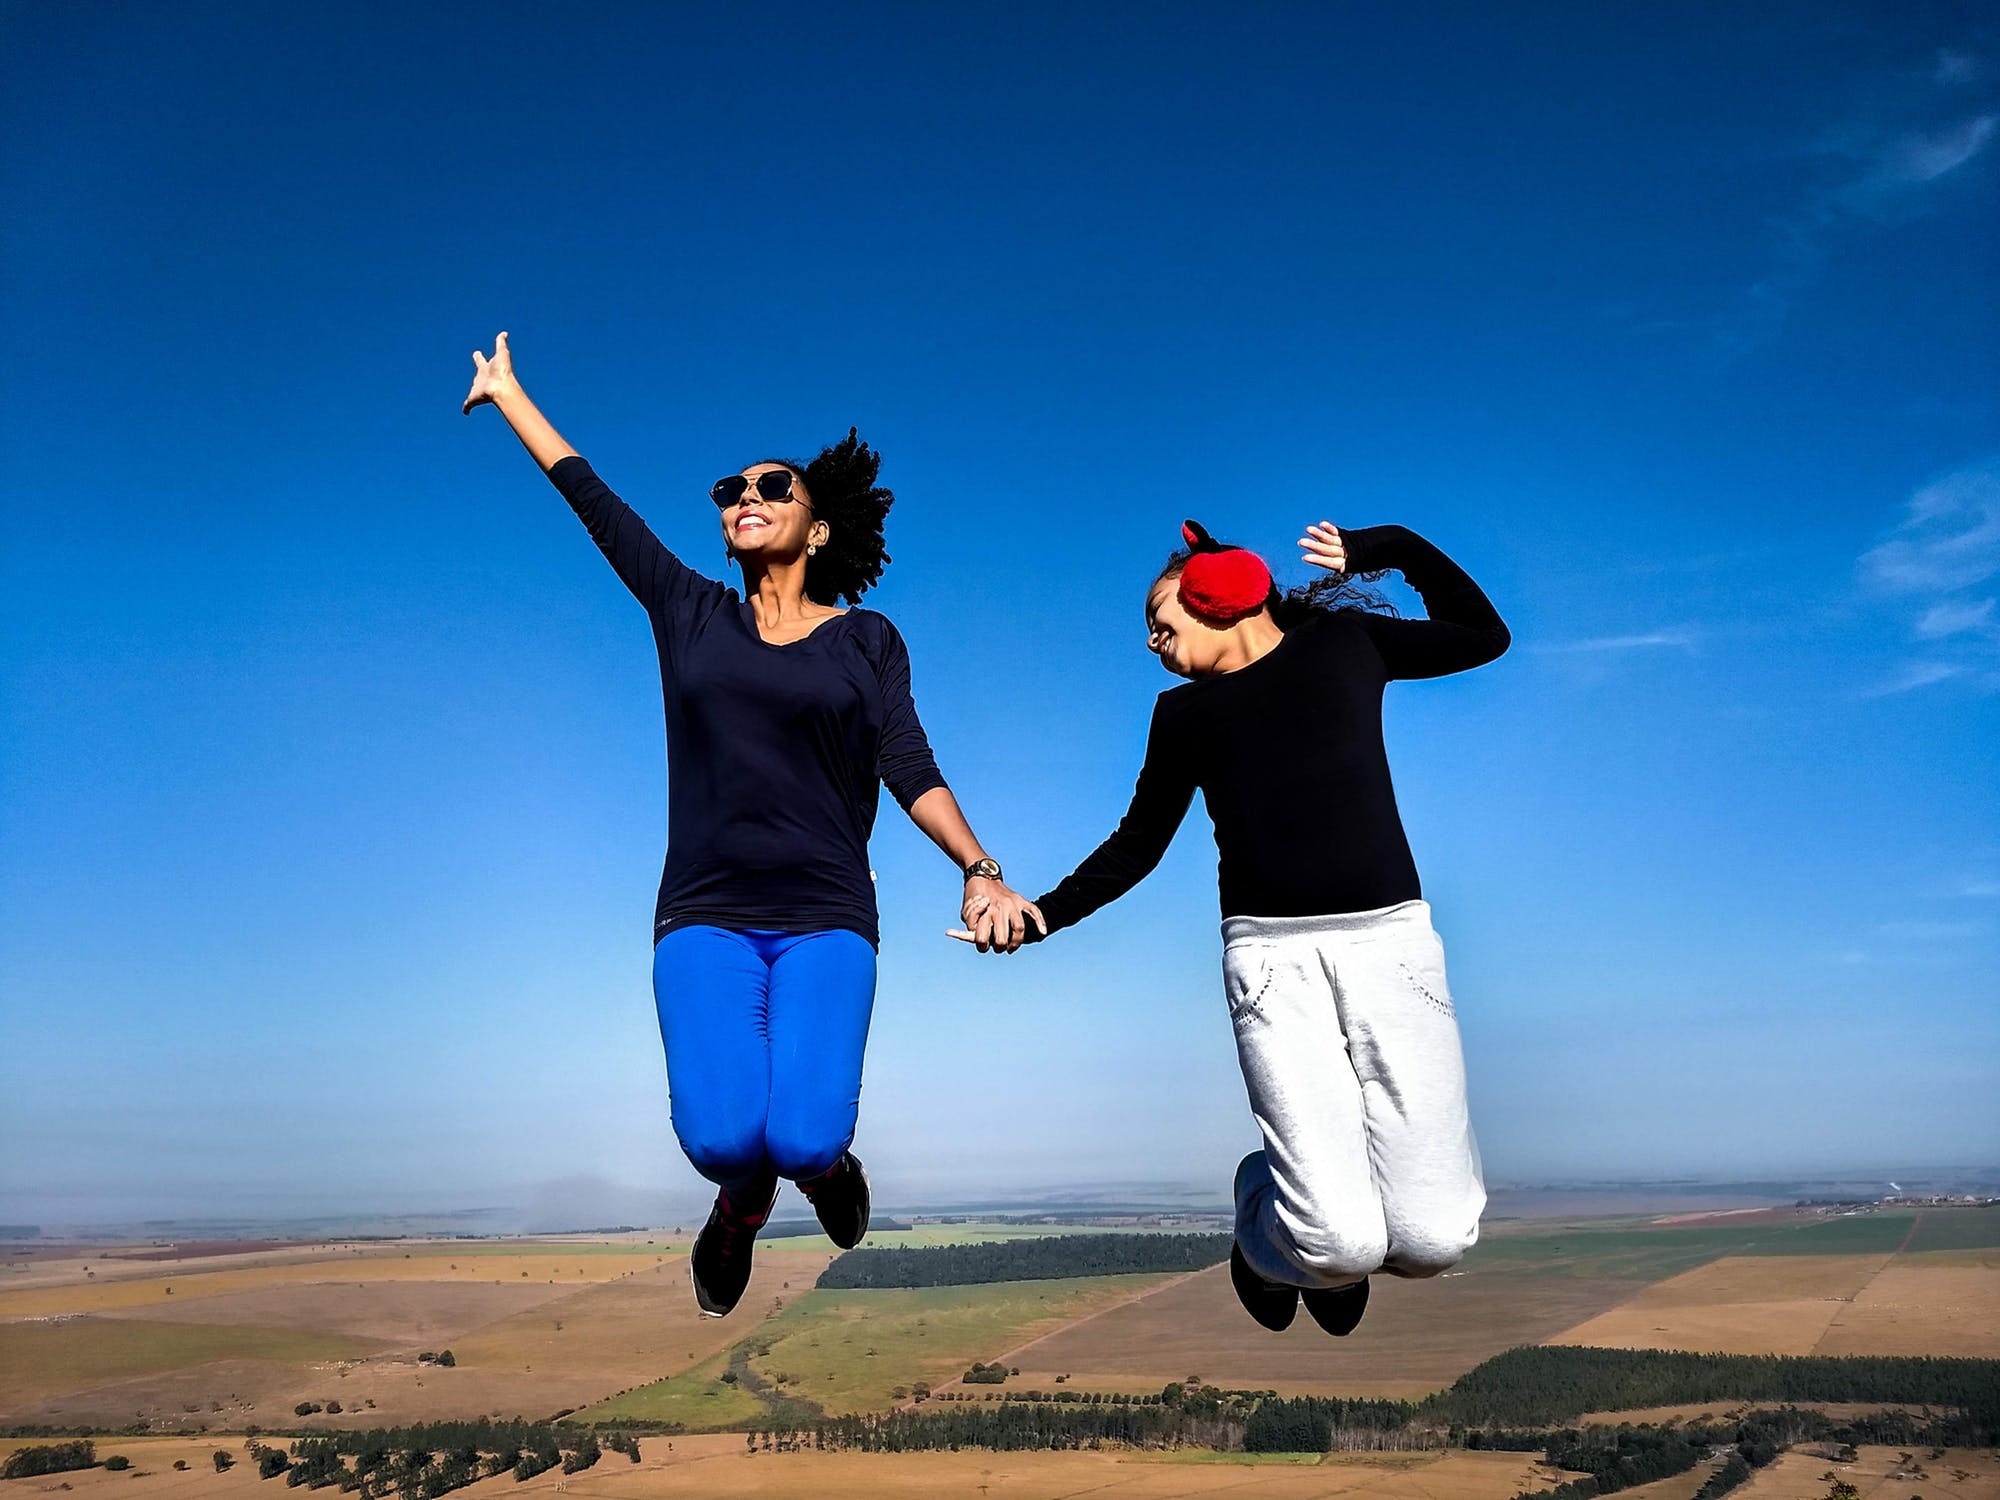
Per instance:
{"type": "Point", "coordinates": [606, 1324]}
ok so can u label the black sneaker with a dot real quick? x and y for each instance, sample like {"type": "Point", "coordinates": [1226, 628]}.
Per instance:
{"type": "Point", "coordinates": [1271, 1303]}
{"type": "Point", "coordinates": [839, 1197]}
{"type": "Point", "coordinates": [1337, 1309]}
{"type": "Point", "coordinates": [719, 1264]}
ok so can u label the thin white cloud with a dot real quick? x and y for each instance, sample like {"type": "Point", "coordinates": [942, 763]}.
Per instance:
{"type": "Point", "coordinates": [1956, 617]}
{"type": "Point", "coordinates": [1880, 169]}
{"type": "Point", "coordinates": [1919, 674]}
{"type": "Point", "coordinates": [1932, 932]}
{"type": "Point", "coordinates": [1949, 538]}
{"type": "Point", "coordinates": [1980, 888]}
{"type": "Point", "coordinates": [1917, 159]}
{"type": "Point", "coordinates": [1683, 639]}
{"type": "Point", "coordinates": [1954, 66]}
{"type": "Point", "coordinates": [1947, 543]}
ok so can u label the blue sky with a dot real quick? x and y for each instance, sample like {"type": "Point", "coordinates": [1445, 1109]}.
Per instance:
{"type": "Point", "coordinates": [331, 794]}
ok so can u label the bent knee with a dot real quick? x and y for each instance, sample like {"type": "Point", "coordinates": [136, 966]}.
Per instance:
{"type": "Point", "coordinates": [1427, 1252]}
{"type": "Point", "coordinates": [805, 1152]}
{"type": "Point", "coordinates": [725, 1155]}
{"type": "Point", "coordinates": [1334, 1254]}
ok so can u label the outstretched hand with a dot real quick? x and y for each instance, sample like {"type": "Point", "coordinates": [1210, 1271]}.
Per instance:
{"type": "Point", "coordinates": [996, 917]}
{"type": "Point", "coordinates": [1324, 547]}
{"type": "Point", "coordinates": [492, 375]}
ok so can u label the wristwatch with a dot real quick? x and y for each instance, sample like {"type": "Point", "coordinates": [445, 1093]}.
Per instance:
{"type": "Point", "coordinates": [983, 869]}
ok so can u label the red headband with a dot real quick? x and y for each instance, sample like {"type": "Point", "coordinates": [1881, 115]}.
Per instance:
{"type": "Point", "coordinates": [1221, 585]}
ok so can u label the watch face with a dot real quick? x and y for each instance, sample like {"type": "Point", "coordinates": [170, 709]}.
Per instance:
{"type": "Point", "coordinates": [986, 867]}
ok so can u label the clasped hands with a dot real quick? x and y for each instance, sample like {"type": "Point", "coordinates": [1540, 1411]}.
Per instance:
{"type": "Point", "coordinates": [996, 917]}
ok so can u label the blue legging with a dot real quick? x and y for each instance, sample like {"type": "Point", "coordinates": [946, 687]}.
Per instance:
{"type": "Point", "coordinates": [764, 1034]}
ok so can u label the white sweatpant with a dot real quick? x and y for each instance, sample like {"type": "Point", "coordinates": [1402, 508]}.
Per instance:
{"type": "Point", "coordinates": [1350, 1051]}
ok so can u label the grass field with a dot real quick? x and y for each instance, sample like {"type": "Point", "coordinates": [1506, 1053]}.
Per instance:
{"type": "Point", "coordinates": [609, 1324]}
{"type": "Point", "coordinates": [37, 1359]}
{"type": "Point", "coordinates": [1419, 1336]}
{"type": "Point", "coordinates": [699, 1399]}
{"type": "Point", "coordinates": [853, 1351]}
{"type": "Point", "coordinates": [163, 1279]}
{"type": "Point", "coordinates": [927, 1236]}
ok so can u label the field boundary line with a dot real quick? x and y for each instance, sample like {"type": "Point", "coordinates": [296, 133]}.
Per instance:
{"type": "Point", "coordinates": [1007, 1357]}
{"type": "Point", "coordinates": [1862, 1290]}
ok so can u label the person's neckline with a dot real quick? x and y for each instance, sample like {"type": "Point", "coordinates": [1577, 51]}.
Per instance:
{"type": "Point", "coordinates": [749, 615]}
{"type": "Point", "coordinates": [1251, 666]}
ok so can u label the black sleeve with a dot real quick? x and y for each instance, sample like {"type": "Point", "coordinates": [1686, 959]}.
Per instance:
{"type": "Point", "coordinates": [905, 762]}
{"type": "Point", "coordinates": [1159, 802]}
{"type": "Point", "coordinates": [658, 579]}
{"type": "Point", "coordinates": [1463, 630]}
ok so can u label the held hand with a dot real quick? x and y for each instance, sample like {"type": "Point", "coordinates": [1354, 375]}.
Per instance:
{"type": "Point", "coordinates": [996, 917]}
{"type": "Point", "coordinates": [1324, 548]}
{"type": "Point", "coordinates": [493, 375]}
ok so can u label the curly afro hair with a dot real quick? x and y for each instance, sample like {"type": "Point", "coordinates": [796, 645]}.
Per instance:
{"type": "Point", "coordinates": [841, 482]}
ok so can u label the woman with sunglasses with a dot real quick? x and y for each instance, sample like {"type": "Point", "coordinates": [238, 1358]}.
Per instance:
{"type": "Point", "coordinates": [784, 715]}
{"type": "Point", "coordinates": [1334, 977]}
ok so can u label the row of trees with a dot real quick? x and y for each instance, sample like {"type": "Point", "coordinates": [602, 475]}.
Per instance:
{"type": "Point", "coordinates": [1547, 1385]}
{"type": "Point", "coordinates": [434, 1458]}
{"type": "Point", "coordinates": [1048, 1259]}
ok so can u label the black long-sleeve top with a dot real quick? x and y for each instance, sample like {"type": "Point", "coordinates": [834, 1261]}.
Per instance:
{"type": "Point", "coordinates": [774, 753]}
{"type": "Point", "coordinates": [1287, 753]}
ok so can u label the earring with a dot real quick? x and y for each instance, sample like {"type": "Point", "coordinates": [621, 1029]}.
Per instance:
{"type": "Point", "coordinates": [811, 548]}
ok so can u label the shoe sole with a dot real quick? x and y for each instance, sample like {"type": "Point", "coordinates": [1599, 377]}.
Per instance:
{"type": "Point", "coordinates": [1345, 1303]}
{"type": "Point", "coordinates": [1291, 1310]}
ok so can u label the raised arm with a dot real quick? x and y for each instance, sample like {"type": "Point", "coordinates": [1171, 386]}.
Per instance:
{"type": "Point", "coordinates": [657, 578]}
{"type": "Point", "coordinates": [1463, 629]}
{"type": "Point", "coordinates": [1159, 802]}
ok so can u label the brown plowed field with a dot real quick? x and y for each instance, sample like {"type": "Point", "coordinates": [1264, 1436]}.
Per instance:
{"type": "Point", "coordinates": [1748, 1304]}
{"type": "Point", "coordinates": [1418, 1336]}
{"type": "Point", "coordinates": [428, 1313]}
{"type": "Point", "coordinates": [613, 1335]}
{"type": "Point", "coordinates": [1913, 1308]}
{"type": "Point", "coordinates": [1962, 1474]}
{"type": "Point", "coordinates": [1811, 1304]}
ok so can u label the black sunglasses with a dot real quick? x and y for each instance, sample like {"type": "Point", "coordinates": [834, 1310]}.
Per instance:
{"type": "Point", "coordinates": [773, 485]}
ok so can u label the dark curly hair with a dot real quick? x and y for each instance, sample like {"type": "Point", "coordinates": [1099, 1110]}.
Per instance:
{"type": "Point", "coordinates": [1294, 606]}
{"type": "Point", "coordinates": [841, 482]}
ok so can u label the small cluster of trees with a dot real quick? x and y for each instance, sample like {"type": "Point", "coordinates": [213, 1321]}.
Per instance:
{"type": "Point", "coordinates": [993, 1374]}
{"type": "Point", "coordinates": [443, 1357]}
{"type": "Point", "coordinates": [1617, 1460]}
{"type": "Point", "coordinates": [1051, 1258]}
{"type": "Point", "coordinates": [49, 1458]}
{"type": "Point", "coordinates": [309, 1408]}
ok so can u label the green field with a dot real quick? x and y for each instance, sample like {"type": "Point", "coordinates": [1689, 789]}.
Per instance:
{"type": "Point", "coordinates": [699, 1399]}
{"type": "Point", "coordinates": [928, 1236]}
{"type": "Point", "coordinates": [1627, 1251]}
{"type": "Point", "coordinates": [74, 1353]}
{"type": "Point", "coordinates": [1958, 1229]}
{"type": "Point", "coordinates": [853, 1351]}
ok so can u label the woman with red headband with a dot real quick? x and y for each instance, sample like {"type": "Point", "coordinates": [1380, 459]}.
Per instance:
{"type": "Point", "coordinates": [1334, 976]}
{"type": "Point", "coordinates": [785, 715]}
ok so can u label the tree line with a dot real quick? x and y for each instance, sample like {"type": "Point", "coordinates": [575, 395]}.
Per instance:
{"type": "Point", "coordinates": [1544, 1386]}
{"type": "Point", "coordinates": [431, 1459]}
{"type": "Point", "coordinates": [1051, 1258]}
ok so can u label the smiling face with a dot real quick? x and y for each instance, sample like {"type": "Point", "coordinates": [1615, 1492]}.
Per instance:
{"type": "Point", "coordinates": [771, 530]}
{"type": "Point", "coordinates": [1186, 647]}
